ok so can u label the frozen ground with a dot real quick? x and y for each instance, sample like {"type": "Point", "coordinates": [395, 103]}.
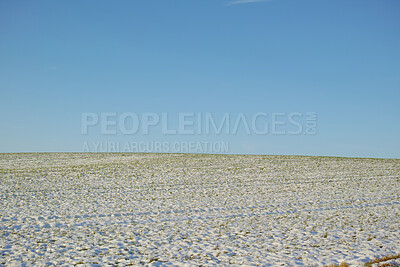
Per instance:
{"type": "Point", "coordinates": [165, 209]}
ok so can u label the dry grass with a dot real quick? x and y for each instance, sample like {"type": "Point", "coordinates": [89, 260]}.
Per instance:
{"type": "Point", "coordinates": [381, 260]}
{"type": "Point", "coordinates": [343, 264]}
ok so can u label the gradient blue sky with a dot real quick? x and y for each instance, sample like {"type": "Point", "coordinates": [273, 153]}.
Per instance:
{"type": "Point", "coordinates": [339, 58]}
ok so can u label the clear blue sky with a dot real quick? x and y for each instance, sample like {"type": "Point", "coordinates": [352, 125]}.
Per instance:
{"type": "Point", "coordinates": [339, 58]}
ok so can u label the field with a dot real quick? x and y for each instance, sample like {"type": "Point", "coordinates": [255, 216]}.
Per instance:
{"type": "Point", "coordinates": [175, 209]}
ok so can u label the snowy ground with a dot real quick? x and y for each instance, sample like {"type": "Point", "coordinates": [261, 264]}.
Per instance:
{"type": "Point", "coordinates": [165, 209]}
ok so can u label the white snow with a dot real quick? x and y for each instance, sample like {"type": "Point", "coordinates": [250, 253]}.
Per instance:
{"type": "Point", "coordinates": [176, 209]}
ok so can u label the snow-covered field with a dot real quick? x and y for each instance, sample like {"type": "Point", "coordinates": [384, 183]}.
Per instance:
{"type": "Point", "coordinates": [173, 209]}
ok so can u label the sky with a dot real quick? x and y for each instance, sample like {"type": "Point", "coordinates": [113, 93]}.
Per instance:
{"type": "Point", "coordinates": [65, 65]}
